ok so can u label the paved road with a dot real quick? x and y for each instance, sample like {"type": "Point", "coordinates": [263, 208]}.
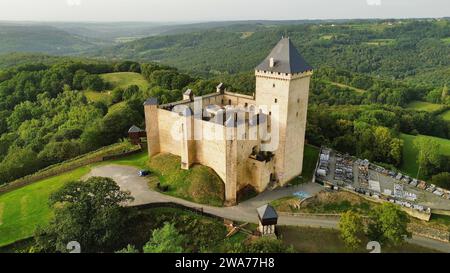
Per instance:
{"type": "Point", "coordinates": [127, 178]}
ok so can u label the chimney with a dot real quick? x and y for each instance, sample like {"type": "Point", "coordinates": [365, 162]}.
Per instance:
{"type": "Point", "coordinates": [220, 88]}
{"type": "Point", "coordinates": [272, 62]}
{"type": "Point", "coordinates": [188, 95]}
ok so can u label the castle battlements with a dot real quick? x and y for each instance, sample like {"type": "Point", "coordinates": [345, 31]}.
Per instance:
{"type": "Point", "coordinates": [253, 140]}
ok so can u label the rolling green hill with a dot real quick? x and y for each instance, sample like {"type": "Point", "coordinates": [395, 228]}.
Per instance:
{"type": "Point", "coordinates": [38, 38]}
{"type": "Point", "coordinates": [117, 79]}
{"type": "Point", "coordinates": [403, 49]}
{"type": "Point", "coordinates": [125, 79]}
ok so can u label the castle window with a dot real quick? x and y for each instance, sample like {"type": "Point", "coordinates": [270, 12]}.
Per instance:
{"type": "Point", "coordinates": [298, 100]}
{"type": "Point", "coordinates": [222, 101]}
{"type": "Point", "coordinates": [273, 85]}
{"type": "Point", "coordinates": [229, 102]}
{"type": "Point", "coordinates": [297, 114]}
{"type": "Point", "coordinates": [270, 113]}
{"type": "Point", "coordinates": [246, 104]}
{"type": "Point", "coordinates": [276, 100]}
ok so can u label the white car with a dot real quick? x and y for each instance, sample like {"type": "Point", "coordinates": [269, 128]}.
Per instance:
{"type": "Point", "coordinates": [438, 193]}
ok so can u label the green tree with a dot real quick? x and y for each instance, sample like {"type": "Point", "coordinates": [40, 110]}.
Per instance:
{"type": "Point", "coordinates": [18, 162]}
{"type": "Point", "coordinates": [55, 152]}
{"type": "Point", "coordinates": [445, 95]}
{"type": "Point", "coordinates": [267, 245]}
{"type": "Point", "coordinates": [442, 180]}
{"type": "Point", "coordinates": [128, 249]}
{"type": "Point", "coordinates": [165, 240]}
{"type": "Point", "coordinates": [117, 95]}
{"type": "Point", "coordinates": [89, 212]}
{"type": "Point", "coordinates": [78, 79]}
{"type": "Point", "coordinates": [130, 91]}
{"type": "Point", "coordinates": [351, 228]}
{"type": "Point", "coordinates": [396, 149]}
{"type": "Point", "coordinates": [429, 157]}
{"type": "Point", "coordinates": [117, 122]}
{"type": "Point", "coordinates": [93, 82]}
{"type": "Point", "coordinates": [388, 223]}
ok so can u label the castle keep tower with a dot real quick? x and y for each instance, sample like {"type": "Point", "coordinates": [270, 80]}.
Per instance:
{"type": "Point", "coordinates": [282, 80]}
{"type": "Point", "coordinates": [228, 132]}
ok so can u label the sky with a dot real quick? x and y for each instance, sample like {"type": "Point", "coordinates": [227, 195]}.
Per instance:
{"type": "Point", "coordinates": [216, 10]}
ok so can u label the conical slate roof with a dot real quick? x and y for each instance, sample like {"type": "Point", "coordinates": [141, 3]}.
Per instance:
{"type": "Point", "coordinates": [286, 59]}
{"type": "Point", "coordinates": [267, 212]}
{"type": "Point", "coordinates": [151, 101]}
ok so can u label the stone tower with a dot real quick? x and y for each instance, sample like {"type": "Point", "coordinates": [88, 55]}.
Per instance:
{"type": "Point", "coordinates": [282, 80]}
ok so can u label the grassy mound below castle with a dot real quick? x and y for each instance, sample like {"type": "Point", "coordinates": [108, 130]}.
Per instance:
{"type": "Point", "coordinates": [199, 184]}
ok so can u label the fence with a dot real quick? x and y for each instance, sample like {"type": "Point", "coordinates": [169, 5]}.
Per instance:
{"type": "Point", "coordinates": [311, 215]}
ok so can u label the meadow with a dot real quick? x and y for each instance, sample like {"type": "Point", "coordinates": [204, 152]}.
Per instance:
{"type": "Point", "coordinates": [24, 209]}
{"type": "Point", "coordinates": [446, 115]}
{"type": "Point", "coordinates": [424, 106]}
{"type": "Point", "coordinates": [125, 79]}
{"type": "Point", "coordinates": [117, 79]}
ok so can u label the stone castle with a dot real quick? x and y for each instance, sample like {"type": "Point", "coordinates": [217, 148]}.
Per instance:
{"type": "Point", "coordinates": [247, 140]}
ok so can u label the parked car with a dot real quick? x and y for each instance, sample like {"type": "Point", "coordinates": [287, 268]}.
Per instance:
{"type": "Point", "coordinates": [144, 173]}
{"type": "Point", "coordinates": [438, 192]}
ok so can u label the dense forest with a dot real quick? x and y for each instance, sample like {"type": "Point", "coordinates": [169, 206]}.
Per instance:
{"type": "Point", "coordinates": [45, 117]}
{"type": "Point", "coordinates": [396, 49]}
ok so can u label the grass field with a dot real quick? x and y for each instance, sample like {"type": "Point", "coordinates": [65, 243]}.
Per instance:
{"type": "Point", "coordinates": [118, 79]}
{"type": "Point", "coordinates": [446, 115]}
{"type": "Point", "coordinates": [446, 40]}
{"type": "Point", "coordinates": [125, 79]}
{"type": "Point", "coordinates": [348, 86]}
{"type": "Point", "coordinates": [95, 96]}
{"type": "Point", "coordinates": [22, 210]}
{"type": "Point", "coordinates": [199, 184]}
{"type": "Point", "coordinates": [138, 160]}
{"type": "Point", "coordinates": [310, 156]}
{"type": "Point", "coordinates": [423, 106]}
{"type": "Point", "coordinates": [323, 240]}
{"type": "Point", "coordinates": [409, 164]}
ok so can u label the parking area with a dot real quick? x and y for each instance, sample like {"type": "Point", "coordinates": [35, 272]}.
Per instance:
{"type": "Point", "coordinates": [361, 176]}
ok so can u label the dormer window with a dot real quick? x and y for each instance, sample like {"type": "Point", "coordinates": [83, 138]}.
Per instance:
{"type": "Point", "coordinates": [272, 62]}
